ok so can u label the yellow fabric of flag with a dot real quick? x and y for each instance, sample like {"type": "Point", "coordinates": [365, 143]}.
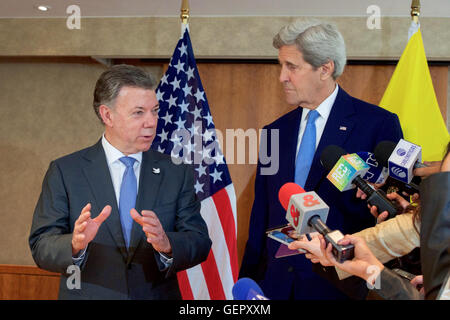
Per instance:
{"type": "Point", "coordinates": [410, 94]}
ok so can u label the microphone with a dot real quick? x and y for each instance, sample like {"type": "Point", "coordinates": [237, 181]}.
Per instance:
{"type": "Point", "coordinates": [301, 206]}
{"type": "Point", "coordinates": [345, 170]}
{"type": "Point", "coordinates": [376, 173]}
{"type": "Point", "coordinates": [306, 212]}
{"type": "Point", "coordinates": [383, 152]}
{"type": "Point", "coordinates": [401, 158]}
{"type": "Point", "coordinates": [247, 289]}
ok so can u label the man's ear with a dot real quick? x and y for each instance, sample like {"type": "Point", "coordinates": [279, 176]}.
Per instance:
{"type": "Point", "coordinates": [327, 70]}
{"type": "Point", "coordinates": [105, 114]}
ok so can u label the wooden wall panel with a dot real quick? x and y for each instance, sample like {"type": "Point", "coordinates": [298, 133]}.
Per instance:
{"type": "Point", "coordinates": [368, 82]}
{"type": "Point", "coordinates": [27, 283]}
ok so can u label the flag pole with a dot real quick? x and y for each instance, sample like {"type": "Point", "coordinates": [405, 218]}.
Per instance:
{"type": "Point", "coordinates": [184, 16]}
{"type": "Point", "coordinates": [415, 13]}
{"type": "Point", "coordinates": [415, 10]}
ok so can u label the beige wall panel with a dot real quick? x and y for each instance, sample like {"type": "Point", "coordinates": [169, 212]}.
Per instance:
{"type": "Point", "coordinates": [45, 112]}
{"type": "Point", "coordinates": [212, 37]}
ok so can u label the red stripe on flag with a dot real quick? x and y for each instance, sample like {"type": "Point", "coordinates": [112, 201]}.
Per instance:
{"type": "Point", "coordinates": [185, 286]}
{"type": "Point", "coordinates": [212, 278]}
{"type": "Point", "coordinates": [223, 206]}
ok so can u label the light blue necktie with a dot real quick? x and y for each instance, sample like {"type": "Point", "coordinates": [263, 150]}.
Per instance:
{"type": "Point", "coordinates": [307, 149]}
{"type": "Point", "coordinates": [127, 201]}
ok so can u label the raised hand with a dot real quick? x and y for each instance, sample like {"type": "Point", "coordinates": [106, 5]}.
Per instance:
{"type": "Point", "coordinates": [153, 230]}
{"type": "Point", "coordinates": [85, 228]}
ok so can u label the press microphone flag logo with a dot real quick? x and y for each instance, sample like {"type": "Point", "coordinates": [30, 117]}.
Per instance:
{"type": "Point", "coordinates": [345, 170]}
{"type": "Point", "coordinates": [402, 160]}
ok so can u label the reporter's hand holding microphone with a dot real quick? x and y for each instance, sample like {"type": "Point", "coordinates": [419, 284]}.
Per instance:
{"type": "Point", "coordinates": [314, 246]}
{"type": "Point", "coordinates": [364, 264]}
{"type": "Point", "coordinates": [402, 204]}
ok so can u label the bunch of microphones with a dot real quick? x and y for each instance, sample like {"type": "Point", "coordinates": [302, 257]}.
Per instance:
{"type": "Point", "coordinates": [390, 165]}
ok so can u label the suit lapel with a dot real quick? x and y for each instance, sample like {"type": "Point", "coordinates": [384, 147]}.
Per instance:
{"type": "Point", "coordinates": [337, 130]}
{"type": "Point", "coordinates": [149, 183]}
{"type": "Point", "coordinates": [97, 173]}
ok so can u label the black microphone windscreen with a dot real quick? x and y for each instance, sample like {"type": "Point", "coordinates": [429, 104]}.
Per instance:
{"type": "Point", "coordinates": [383, 151]}
{"type": "Point", "coordinates": [330, 155]}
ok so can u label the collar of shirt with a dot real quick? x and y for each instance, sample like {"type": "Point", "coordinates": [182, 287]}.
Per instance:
{"type": "Point", "coordinates": [113, 154]}
{"type": "Point", "coordinates": [324, 110]}
{"type": "Point", "coordinates": [117, 168]}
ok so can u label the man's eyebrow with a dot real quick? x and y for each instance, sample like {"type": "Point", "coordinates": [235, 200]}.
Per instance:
{"type": "Point", "coordinates": [287, 63]}
{"type": "Point", "coordinates": [156, 106]}
{"type": "Point", "coordinates": [290, 64]}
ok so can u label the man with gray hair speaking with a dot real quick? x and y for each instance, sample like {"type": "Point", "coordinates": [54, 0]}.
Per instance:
{"type": "Point", "coordinates": [312, 56]}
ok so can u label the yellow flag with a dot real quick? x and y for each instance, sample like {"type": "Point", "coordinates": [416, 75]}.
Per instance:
{"type": "Point", "coordinates": [410, 94]}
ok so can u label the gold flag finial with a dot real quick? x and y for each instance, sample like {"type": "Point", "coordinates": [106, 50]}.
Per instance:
{"type": "Point", "coordinates": [184, 11]}
{"type": "Point", "coordinates": [415, 10]}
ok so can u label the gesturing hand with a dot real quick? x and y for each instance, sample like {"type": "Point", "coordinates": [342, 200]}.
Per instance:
{"type": "Point", "coordinates": [86, 228]}
{"type": "Point", "coordinates": [153, 229]}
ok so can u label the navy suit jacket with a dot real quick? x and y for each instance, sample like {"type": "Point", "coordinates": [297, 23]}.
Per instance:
{"type": "Point", "coordinates": [109, 270]}
{"type": "Point", "coordinates": [355, 126]}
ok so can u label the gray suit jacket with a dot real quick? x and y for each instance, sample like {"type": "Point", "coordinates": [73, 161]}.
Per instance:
{"type": "Point", "coordinates": [435, 232]}
{"type": "Point", "coordinates": [434, 243]}
{"type": "Point", "coordinates": [393, 287]}
{"type": "Point", "coordinates": [109, 270]}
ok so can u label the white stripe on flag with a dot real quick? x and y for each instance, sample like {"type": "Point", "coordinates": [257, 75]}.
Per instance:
{"type": "Point", "coordinates": [232, 195]}
{"type": "Point", "coordinates": [198, 283]}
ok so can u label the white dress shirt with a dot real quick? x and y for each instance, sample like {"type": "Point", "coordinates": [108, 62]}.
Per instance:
{"type": "Point", "coordinates": [324, 110]}
{"type": "Point", "coordinates": [117, 168]}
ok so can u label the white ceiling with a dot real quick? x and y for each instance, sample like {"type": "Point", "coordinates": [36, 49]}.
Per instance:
{"type": "Point", "coordinates": [202, 8]}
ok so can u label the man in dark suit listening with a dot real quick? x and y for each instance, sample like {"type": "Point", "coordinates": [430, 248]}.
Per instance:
{"type": "Point", "coordinates": [312, 56]}
{"type": "Point", "coordinates": [115, 181]}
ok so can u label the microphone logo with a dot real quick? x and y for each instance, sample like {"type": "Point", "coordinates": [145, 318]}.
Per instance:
{"type": "Point", "coordinates": [309, 201]}
{"type": "Point", "coordinates": [401, 152]}
{"type": "Point", "coordinates": [371, 161]}
{"type": "Point", "coordinates": [398, 172]}
{"type": "Point", "coordinates": [295, 214]}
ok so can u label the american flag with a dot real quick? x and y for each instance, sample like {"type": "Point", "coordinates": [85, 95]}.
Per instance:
{"type": "Point", "coordinates": [186, 131]}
